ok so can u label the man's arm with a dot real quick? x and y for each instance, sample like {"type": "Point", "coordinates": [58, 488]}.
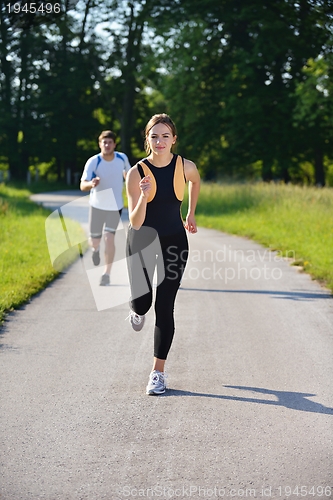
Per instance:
{"type": "Point", "coordinates": [127, 165]}
{"type": "Point", "coordinates": [87, 185]}
{"type": "Point", "coordinates": [88, 173]}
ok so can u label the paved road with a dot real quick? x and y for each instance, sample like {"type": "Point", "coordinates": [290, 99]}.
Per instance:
{"type": "Point", "coordinates": [249, 412]}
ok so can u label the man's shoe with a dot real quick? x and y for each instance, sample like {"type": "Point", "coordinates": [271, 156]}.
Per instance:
{"type": "Point", "coordinates": [156, 383]}
{"type": "Point", "coordinates": [96, 258]}
{"type": "Point", "coordinates": [136, 321]}
{"type": "Point", "coordinates": [105, 280]}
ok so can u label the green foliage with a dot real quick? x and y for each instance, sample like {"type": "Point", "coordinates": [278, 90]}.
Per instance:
{"type": "Point", "coordinates": [49, 92]}
{"type": "Point", "coordinates": [233, 68]}
{"type": "Point", "coordinates": [247, 83]}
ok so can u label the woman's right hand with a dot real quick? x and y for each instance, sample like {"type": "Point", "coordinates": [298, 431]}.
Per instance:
{"type": "Point", "coordinates": [145, 186]}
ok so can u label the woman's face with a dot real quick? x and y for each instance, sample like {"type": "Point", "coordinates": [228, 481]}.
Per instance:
{"type": "Point", "coordinates": [160, 139]}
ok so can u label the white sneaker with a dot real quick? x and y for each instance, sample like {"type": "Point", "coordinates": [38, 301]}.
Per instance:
{"type": "Point", "coordinates": [136, 321]}
{"type": "Point", "coordinates": [156, 383]}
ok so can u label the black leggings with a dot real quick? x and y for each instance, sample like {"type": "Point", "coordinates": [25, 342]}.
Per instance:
{"type": "Point", "coordinates": [168, 254]}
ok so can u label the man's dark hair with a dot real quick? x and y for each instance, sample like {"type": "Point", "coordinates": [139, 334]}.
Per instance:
{"type": "Point", "coordinates": [107, 134]}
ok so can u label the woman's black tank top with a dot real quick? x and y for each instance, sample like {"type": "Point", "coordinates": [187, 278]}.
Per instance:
{"type": "Point", "coordinates": [163, 211]}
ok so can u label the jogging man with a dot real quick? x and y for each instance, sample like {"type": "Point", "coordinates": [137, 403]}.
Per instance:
{"type": "Point", "coordinates": [103, 176]}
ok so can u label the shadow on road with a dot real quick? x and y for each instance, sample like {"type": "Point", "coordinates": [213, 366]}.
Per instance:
{"type": "Point", "coordinates": [293, 400]}
{"type": "Point", "coordinates": [297, 295]}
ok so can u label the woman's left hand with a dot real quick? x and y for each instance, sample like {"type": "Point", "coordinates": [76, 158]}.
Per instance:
{"type": "Point", "coordinates": [190, 224]}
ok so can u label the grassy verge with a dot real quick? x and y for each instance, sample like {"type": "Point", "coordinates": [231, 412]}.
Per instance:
{"type": "Point", "coordinates": [297, 221]}
{"type": "Point", "coordinates": [25, 266]}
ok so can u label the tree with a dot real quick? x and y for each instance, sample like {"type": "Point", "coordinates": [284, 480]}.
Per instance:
{"type": "Point", "coordinates": [313, 113]}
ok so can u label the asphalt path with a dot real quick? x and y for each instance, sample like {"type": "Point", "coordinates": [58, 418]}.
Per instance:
{"type": "Point", "coordinates": [249, 409]}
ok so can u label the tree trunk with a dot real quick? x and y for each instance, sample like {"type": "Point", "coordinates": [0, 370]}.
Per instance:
{"type": "Point", "coordinates": [267, 170]}
{"type": "Point", "coordinates": [8, 119]}
{"type": "Point", "coordinates": [22, 104]}
{"type": "Point", "coordinates": [285, 170]}
{"type": "Point", "coordinates": [135, 31]}
{"type": "Point", "coordinates": [127, 118]}
{"type": "Point", "coordinates": [319, 168]}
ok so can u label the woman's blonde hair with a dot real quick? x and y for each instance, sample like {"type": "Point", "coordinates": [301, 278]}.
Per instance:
{"type": "Point", "coordinates": [154, 120]}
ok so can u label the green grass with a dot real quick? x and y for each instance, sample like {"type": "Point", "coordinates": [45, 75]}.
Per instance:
{"type": "Point", "coordinates": [297, 221]}
{"type": "Point", "coordinates": [25, 266]}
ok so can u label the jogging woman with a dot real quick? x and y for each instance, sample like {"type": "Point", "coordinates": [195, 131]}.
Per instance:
{"type": "Point", "coordinates": [157, 237]}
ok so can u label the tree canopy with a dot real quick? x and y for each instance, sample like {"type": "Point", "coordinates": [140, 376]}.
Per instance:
{"type": "Point", "coordinates": [248, 84]}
